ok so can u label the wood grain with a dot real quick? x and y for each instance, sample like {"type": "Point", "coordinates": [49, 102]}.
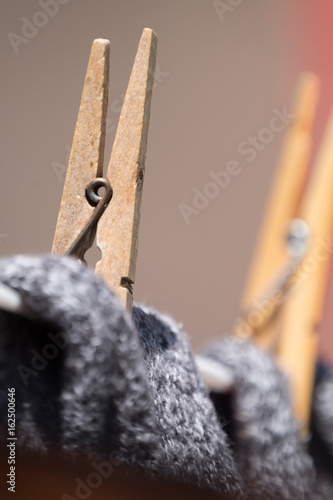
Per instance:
{"type": "Point", "coordinates": [118, 229]}
{"type": "Point", "coordinates": [87, 153]}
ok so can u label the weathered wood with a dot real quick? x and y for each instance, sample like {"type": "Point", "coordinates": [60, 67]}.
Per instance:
{"type": "Point", "coordinates": [87, 153]}
{"type": "Point", "coordinates": [117, 233]}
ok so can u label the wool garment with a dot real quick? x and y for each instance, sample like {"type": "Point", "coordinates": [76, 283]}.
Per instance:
{"type": "Point", "coordinates": [268, 447]}
{"type": "Point", "coordinates": [193, 442]}
{"type": "Point", "coordinates": [93, 396]}
{"type": "Point", "coordinates": [98, 394]}
{"type": "Point", "coordinates": [132, 387]}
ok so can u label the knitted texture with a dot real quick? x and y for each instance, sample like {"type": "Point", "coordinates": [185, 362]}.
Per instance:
{"type": "Point", "coordinates": [93, 395]}
{"type": "Point", "coordinates": [268, 447]}
{"type": "Point", "coordinates": [90, 379]}
{"type": "Point", "coordinates": [193, 442]}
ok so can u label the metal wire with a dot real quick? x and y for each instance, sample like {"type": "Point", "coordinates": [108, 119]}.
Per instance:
{"type": "Point", "coordinates": [81, 243]}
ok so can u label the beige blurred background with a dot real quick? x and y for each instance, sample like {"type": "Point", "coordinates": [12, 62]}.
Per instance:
{"type": "Point", "coordinates": [217, 82]}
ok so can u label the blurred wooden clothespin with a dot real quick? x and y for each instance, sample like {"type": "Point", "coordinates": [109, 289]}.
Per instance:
{"type": "Point", "coordinates": [84, 212]}
{"type": "Point", "coordinates": [284, 296]}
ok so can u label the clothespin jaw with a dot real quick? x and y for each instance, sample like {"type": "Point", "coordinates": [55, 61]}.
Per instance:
{"type": "Point", "coordinates": [118, 227]}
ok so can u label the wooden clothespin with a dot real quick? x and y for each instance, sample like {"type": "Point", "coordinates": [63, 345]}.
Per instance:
{"type": "Point", "coordinates": [289, 327]}
{"type": "Point", "coordinates": [84, 213]}
{"type": "Point", "coordinates": [270, 254]}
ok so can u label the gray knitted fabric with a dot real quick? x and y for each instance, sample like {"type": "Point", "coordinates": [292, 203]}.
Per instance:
{"type": "Point", "coordinates": [132, 387]}
{"type": "Point", "coordinates": [97, 396]}
{"type": "Point", "coordinates": [193, 442]}
{"type": "Point", "coordinates": [268, 449]}
{"type": "Point", "coordinates": [94, 395]}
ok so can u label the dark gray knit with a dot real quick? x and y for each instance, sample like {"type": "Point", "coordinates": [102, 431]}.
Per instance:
{"type": "Point", "coordinates": [132, 387]}
{"type": "Point", "coordinates": [193, 442]}
{"type": "Point", "coordinates": [99, 394]}
{"type": "Point", "coordinates": [94, 395]}
{"type": "Point", "coordinates": [270, 456]}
